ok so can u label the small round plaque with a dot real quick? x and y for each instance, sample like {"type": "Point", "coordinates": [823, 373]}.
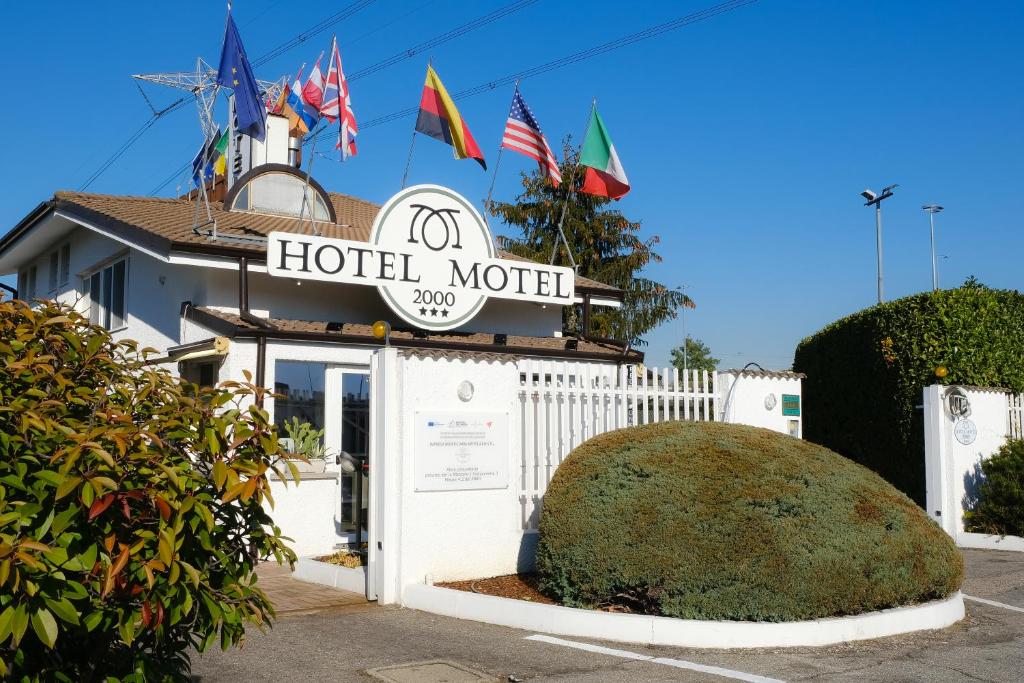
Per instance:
{"type": "Point", "coordinates": [965, 431]}
{"type": "Point", "coordinates": [770, 402]}
{"type": "Point", "coordinates": [465, 390]}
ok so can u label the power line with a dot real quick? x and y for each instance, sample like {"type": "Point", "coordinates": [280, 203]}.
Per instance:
{"type": "Point", "coordinates": [312, 32]}
{"type": "Point", "coordinates": [443, 38]}
{"type": "Point", "coordinates": [403, 55]}
{"type": "Point", "coordinates": [603, 48]}
{"type": "Point", "coordinates": [582, 55]}
{"type": "Point", "coordinates": [178, 104]}
{"type": "Point", "coordinates": [131, 141]}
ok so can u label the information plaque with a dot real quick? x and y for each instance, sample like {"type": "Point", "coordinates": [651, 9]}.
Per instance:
{"type": "Point", "coordinates": [461, 451]}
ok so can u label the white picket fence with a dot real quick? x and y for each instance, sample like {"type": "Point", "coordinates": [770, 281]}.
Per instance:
{"type": "Point", "coordinates": [562, 404]}
{"type": "Point", "coordinates": [1015, 416]}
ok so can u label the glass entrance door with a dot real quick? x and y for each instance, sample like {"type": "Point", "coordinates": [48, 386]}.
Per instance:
{"type": "Point", "coordinates": [355, 441]}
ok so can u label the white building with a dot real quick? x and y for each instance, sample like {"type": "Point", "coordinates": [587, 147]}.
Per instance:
{"type": "Point", "coordinates": [482, 345]}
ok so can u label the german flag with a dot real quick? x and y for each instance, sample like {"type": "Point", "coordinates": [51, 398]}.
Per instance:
{"type": "Point", "coordinates": [440, 120]}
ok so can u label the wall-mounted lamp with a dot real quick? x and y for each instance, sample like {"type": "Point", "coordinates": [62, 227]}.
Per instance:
{"type": "Point", "coordinates": [382, 330]}
{"type": "Point", "coordinates": [957, 403]}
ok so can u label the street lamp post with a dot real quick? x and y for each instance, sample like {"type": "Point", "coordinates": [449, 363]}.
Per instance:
{"type": "Point", "coordinates": [876, 199]}
{"type": "Point", "coordinates": [682, 318]}
{"type": "Point", "coordinates": [931, 210]}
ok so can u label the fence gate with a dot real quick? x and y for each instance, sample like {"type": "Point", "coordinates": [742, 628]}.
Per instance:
{"type": "Point", "coordinates": [563, 403]}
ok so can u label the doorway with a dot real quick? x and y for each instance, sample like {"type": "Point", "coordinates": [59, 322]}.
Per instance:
{"type": "Point", "coordinates": [354, 452]}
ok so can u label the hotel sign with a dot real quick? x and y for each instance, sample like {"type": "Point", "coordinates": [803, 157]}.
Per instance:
{"type": "Point", "coordinates": [431, 257]}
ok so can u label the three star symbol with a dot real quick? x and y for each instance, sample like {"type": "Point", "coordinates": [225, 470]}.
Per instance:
{"type": "Point", "coordinates": [434, 312]}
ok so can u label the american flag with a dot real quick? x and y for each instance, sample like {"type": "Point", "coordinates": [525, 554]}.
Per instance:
{"type": "Point", "coordinates": [523, 135]}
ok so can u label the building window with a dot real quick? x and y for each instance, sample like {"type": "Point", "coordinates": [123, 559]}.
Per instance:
{"type": "Point", "coordinates": [105, 292]}
{"type": "Point", "coordinates": [65, 264]}
{"type": "Point", "coordinates": [60, 267]}
{"type": "Point", "coordinates": [300, 394]}
{"type": "Point", "coordinates": [54, 270]}
{"type": "Point", "coordinates": [204, 372]}
{"type": "Point", "coordinates": [27, 283]}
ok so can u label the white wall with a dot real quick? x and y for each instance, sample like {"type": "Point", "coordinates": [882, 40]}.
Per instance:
{"type": "Point", "coordinates": [446, 535]}
{"type": "Point", "coordinates": [748, 402]}
{"type": "Point", "coordinates": [308, 513]}
{"type": "Point", "coordinates": [454, 535]}
{"type": "Point", "coordinates": [952, 468]}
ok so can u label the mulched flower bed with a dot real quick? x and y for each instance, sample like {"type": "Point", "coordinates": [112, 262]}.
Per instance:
{"type": "Point", "coordinates": [343, 558]}
{"type": "Point", "coordinates": [516, 586]}
{"type": "Point", "coordinates": [524, 587]}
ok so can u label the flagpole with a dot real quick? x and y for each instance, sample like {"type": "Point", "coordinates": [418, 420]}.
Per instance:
{"type": "Point", "coordinates": [305, 191]}
{"type": "Point", "coordinates": [490, 192]}
{"type": "Point", "coordinates": [497, 163]}
{"type": "Point", "coordinates": [568, 195]}
{"type": "Point", "coordinates": [408, 162]}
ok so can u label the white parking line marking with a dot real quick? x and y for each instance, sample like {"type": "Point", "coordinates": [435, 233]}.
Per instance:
{"type": "Point", "coordinates": [994, 603]}
{"type": "Point", "coordinates": [665, 661]}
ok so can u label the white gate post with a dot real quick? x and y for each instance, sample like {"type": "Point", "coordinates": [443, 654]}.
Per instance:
{"type": "Point", "coordinates": [385, 511]}
{"type": "Point", "coordinates": [937, 462]}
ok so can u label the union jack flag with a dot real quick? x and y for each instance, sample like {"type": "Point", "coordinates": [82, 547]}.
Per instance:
{"type": "Point", "coordinates": [337, 105]}
{"type": "Point", "coordinates": [523, 135]}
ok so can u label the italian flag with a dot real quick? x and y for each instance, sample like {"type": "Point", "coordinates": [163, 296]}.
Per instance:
{"type": "Point", "coordinates": [605, 176]}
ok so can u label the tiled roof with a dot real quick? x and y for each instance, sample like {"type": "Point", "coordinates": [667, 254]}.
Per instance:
{"type": "Point", "coordinates": [464, 341]}
{"type": "Point", "coordinates": [167, 223]}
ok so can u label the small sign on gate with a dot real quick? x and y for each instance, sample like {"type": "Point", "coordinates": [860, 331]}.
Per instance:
{"type": "Point", "coordinates": [791, 405]}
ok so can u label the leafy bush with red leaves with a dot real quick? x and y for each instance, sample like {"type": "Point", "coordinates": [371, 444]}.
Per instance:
{"type": "Point", "coordinates": [131, 506]}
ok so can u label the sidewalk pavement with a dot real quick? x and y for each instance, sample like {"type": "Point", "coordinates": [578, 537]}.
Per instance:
{"type": "Point", "coordinates": [291, 596]}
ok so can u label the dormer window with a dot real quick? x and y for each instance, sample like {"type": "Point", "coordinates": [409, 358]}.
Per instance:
{"type": "Point", "coordinates": [280, 190]}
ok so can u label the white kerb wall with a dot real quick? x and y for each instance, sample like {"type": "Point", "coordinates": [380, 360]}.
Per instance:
{"type": "Point", "coordinates": [952, 467]}
{"type": "Point", "coordinates": [309, 514]}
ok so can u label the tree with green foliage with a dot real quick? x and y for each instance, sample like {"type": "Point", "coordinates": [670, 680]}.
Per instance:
{"type": "Point", "coordinates": [606, 246]}
{"type": "Point", "coordinates": [132, 506]}
{"type": "Point", "coordinates": [865, 373]}
{"type": "Point", "coordinates": [698, 356]}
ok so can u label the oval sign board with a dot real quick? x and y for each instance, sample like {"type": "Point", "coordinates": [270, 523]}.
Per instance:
{"type": "Point", "coordinates": [965, 431]}
{"type": "Point", "coordinates": [431, 257]}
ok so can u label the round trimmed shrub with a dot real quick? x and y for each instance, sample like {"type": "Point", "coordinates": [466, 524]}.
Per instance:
{"type": "Point", "coordinates": [720, 521]}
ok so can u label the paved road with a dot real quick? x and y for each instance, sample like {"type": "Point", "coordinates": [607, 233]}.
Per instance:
{"type": "Point", "coordinates": [341, 645]}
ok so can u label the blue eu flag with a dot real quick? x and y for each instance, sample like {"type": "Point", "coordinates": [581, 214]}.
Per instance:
{"type": "Point", "coordinates": [236, 73]}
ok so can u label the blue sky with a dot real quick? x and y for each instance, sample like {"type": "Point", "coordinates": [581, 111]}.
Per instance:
{"type": "Point", "coordinates": [747, 137]}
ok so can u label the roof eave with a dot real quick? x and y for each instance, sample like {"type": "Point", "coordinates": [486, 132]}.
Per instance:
{"type": "Point", "coordinates": [43, 209]}
{"type": "Point", "coordinates": [229, 329]}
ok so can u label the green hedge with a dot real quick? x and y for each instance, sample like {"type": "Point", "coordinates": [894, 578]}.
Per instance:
{"type": "Point", "coordinates": [723, 521]}
{"type": "Point", "coordinates": [999, 504]}
{"type": "Point", "coordinates": [865, 373]}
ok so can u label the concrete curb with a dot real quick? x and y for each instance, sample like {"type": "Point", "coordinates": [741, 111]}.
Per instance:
{"type": "Point", "coordinates": [966, 539]}
{"type": "Point", "coordinates": [346, 578]}
{"type": "Point", "coordinates": [652, 630]}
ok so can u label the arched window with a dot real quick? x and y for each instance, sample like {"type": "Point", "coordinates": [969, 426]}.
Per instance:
{"type": "Point", "coordinates": [278, 189]}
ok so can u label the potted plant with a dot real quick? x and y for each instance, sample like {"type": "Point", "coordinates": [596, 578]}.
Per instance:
{"type": "Point", "coordinates": [307, 446]}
